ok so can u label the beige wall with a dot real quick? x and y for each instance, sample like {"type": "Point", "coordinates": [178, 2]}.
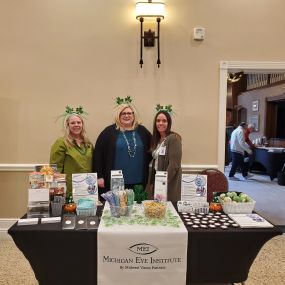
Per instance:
{"type": "Point", "coordinates": [58, 52]}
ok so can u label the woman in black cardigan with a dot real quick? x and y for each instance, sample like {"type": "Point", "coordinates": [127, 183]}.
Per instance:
{"type": "Point", "coordinates": [123, 146]}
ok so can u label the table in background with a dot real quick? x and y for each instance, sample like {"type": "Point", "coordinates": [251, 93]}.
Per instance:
{"type": "Point", "coordinates": [272, 161]}
{"type": "Point", "coordinates": [60, 257]}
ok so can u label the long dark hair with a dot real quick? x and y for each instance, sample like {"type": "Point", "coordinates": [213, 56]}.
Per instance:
{"type": "Point", "coordinates": [155, 132]}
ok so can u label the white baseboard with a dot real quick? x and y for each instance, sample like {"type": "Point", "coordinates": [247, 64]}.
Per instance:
{"type": "Point", "coordinates": [5, 224]}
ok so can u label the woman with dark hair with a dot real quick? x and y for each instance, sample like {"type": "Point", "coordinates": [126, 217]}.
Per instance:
{"type": "Point", "coordinates": [166, 150]}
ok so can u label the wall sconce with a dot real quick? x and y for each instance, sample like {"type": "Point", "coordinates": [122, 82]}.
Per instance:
{"type": "Point", "coordinates": [150, 10]}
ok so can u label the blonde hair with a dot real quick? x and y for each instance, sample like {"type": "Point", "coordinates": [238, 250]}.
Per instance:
{"type": "Point", "coordinates": [119, 110]}
{"type": "Point", "coordinates": [69, 140]}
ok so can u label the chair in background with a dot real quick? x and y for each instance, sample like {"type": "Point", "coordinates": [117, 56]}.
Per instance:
{"type": "Point", "coordinates": [217, 182]}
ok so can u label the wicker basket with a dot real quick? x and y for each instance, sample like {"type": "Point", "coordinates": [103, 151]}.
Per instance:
{"type": "Point", "coordinates": [237, 208]}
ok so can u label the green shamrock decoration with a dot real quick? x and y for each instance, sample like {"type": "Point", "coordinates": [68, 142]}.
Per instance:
{"type": "Point", "coordinates": [79, 110]}
{"type": "Point", "coordinates": [140, 194]}
{"type": "Point", "coordinates": [69, 110]}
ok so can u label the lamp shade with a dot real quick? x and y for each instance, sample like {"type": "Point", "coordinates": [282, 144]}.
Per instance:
{"type": "Point", "coordinates": [150, 9]}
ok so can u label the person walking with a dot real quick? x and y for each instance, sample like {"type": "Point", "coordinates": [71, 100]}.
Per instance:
{"type": "Point", "coordinates": [238, 148]}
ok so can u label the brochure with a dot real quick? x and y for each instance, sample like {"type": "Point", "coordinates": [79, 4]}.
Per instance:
{"type": "Point", "coordinates": [117, 180]}
{"type": "Point", "coordinates": [160, 185]}
{"type": "Point", "coordinates": [194, 187]}
{"type": "Point", "coordinates": [84, 185]}
{"type": "Point", "coordinates": [250, 221]}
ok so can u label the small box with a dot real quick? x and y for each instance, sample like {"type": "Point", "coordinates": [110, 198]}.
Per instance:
{"type": "Point", "coordinates": [38, 210]}
{"type": "Point", "coordinates": [81, 223]}
{"type": "Point", "coordinates": [92, 223]}
{"type": "Point", "coordinates": [68, 222]}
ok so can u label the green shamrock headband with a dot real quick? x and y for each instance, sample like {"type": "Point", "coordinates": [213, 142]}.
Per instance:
{"type": "Point", "coordinates": [70, 111]}
{"type": "Point", "coordinates": [120, 101]}
{"type": "Point", "coordinates": [167, 108]}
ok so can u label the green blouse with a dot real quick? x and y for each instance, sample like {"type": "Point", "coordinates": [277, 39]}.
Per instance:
{"type": "Point", "coordinates": [71, 159]}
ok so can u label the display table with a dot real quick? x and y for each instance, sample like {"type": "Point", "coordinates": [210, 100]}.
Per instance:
{"type": "Point", "coordinates": [70, 256]}
{"type": "Point", "coordinates": [272, 161]}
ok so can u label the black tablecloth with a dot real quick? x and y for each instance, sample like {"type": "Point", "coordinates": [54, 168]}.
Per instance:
{"type": "Point", "coordinates": [272, 161]}
{"type": "Point", "coordinates": [60, 257]}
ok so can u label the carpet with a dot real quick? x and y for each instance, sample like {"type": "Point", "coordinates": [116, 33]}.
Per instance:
{"type": "Point", "coordinates": [267, 269]}
{"type": "Point", "coordinates": [269, 196]}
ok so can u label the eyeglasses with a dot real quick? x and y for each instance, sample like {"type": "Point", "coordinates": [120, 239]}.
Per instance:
{"type": "Point", "coordinates": [127, 114]}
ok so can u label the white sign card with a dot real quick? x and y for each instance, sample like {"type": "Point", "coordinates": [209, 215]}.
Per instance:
{"type": "Point", "coordinates": [84, 185]}
{"type": "Point", "coordinates": [117, 180]}
{"type": "Point", "coordinates": [160, 185]}
{"type": "Point", "coordinates": [38, 195]}
{"type": "Point", "coordinates": [194, 186]}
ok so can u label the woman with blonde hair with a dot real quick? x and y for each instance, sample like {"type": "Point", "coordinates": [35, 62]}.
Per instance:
{"type": "Point", "coordinates": [72, 153]}
{"type": "Point", "coordinates": [124, 146]}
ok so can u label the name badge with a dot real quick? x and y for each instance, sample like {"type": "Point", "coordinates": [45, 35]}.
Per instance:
{"type": "Point", "coordinates": [162, 150]}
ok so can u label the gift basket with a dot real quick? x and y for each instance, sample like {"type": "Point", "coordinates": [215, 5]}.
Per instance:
{"type": "Point", "coordinates": [121, 202]}
{"type": "Point", "coordinates": [236, 202]}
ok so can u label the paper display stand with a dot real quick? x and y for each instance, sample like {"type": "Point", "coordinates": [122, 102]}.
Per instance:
{"type": "Point", "coordinates": [193, 194]}
{"type": "Point", "coordinates": [194, 186]}
{"type": "Point", "coordinates": [85, 185]}
{"type": "Point", "coordinates": [117, 180]}
{"type": "Point", "coordinates": [160, 185]}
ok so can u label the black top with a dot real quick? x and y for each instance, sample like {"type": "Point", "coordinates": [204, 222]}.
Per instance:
{"type": "Point", "coordinates": [105, 152]}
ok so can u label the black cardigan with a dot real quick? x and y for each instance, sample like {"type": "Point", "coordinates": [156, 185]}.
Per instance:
{"type": "Point", "coordinates": [105, 152]}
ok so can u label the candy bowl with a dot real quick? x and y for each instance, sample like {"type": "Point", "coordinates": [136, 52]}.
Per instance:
{"type": "Point", "coordinates": [154, 209]}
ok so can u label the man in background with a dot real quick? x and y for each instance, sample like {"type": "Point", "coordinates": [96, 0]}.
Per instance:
{"type": "Point", "coordinates": [248, 159]}
{"type": "Point", "coordinates": [238, 148]}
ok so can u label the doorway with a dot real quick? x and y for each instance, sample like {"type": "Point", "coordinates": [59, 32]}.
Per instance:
{"type": "Point", "coordinates": [236, 67]}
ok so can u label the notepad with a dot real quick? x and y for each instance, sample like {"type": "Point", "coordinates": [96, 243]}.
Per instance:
{"type": "Point", "coordinates": [250, 221]}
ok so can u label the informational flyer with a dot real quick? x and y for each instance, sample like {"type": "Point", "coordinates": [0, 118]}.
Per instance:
{"type": "Point", "coordinates": [250, 221]}
{"type": "Point", "coordinates": [160, 186]}
{"type": "Point", "coordinates": [117, 180]}
{"type": "Point", "coordinates": [84, 185]}
{"type": "Point", "coordinates": [194, 187]}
